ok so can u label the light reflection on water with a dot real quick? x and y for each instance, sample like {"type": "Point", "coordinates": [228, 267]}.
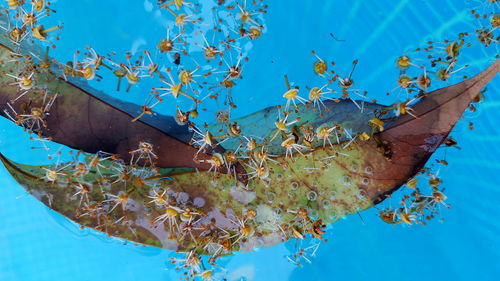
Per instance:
{"type": "Point", "coordinates": [37, 244]}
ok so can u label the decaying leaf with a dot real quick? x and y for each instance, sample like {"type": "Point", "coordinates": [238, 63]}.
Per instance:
{"type": "Point", "coordinates": [81, 120]}
{"type": "Point", "coordinates": [215, 214]}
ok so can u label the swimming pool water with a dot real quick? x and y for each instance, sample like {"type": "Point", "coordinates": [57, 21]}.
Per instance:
{"type": "Point", "coordinates": [38, 244]}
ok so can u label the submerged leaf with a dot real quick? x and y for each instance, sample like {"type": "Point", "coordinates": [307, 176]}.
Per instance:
{"type": "Point", "coordinates": [83, 121]}
{"type": "Point", "coordinates": [214, 214]}
{"type": "Point", "coordinates": [413, 140]}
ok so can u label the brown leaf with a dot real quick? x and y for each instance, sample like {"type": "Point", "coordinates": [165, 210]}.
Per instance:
{"type": "Point", "coordinates": [413, 140]}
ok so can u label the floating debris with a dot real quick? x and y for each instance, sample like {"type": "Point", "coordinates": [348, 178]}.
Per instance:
{"type": "Point", "coordinates": [211, 190]}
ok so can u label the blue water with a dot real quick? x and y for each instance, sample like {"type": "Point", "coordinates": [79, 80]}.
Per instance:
{"type": "Point", "coordinates": [38, 244]}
